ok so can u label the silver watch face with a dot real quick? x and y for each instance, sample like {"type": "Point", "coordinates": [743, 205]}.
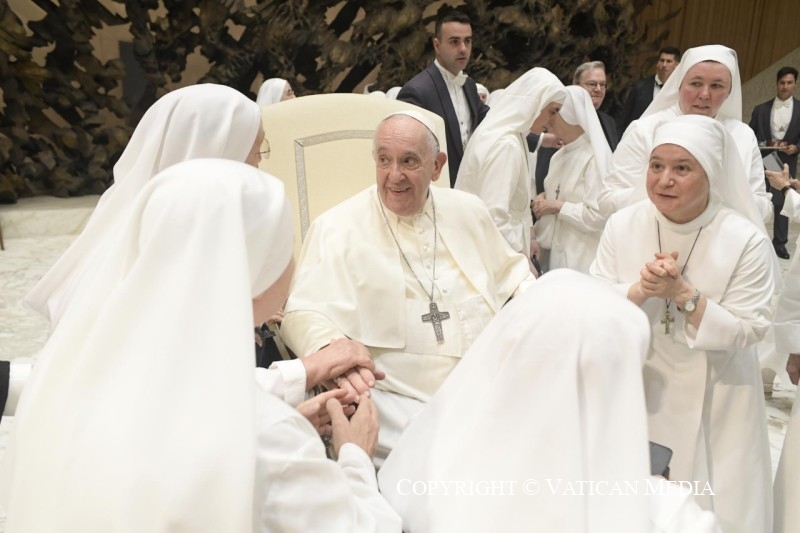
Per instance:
{"type": "Point", "coordinates": [689, 306]}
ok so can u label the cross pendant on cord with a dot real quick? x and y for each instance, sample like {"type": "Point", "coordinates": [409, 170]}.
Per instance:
{"type": "Point", "coordinates": [435, 317]}
{"type": "Point", "coordinates": [666, 321]}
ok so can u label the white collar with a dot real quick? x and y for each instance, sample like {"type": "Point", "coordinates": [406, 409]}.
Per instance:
{"type": "Point", "coordinates": [458, 79]}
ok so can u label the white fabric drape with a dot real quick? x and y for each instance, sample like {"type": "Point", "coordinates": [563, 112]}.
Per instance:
{"type": "Point", "coordinates": [495, 163]}
{"type": "Point", "coordinates": [140, 415]}
{"type": "Point", "coordinates": [203, 120]}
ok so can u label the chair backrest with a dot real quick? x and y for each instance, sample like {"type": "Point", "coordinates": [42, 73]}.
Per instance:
{"type": "Point", "coordinates": [321, 147]}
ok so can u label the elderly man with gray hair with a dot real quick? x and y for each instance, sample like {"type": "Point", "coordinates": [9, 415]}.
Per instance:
{"type": "Point", "coordinates": [592, 77]}
{"type": "Point", "coordinates": [413, 272]}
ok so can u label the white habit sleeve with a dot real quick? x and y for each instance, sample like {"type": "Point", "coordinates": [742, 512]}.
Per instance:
{"type": "Point", "coordinates": [743, 316]}
{"type": "Point", "coordinates": [298, 489]}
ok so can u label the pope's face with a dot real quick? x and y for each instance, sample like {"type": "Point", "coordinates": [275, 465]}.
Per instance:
{"type": "Point", "coordinates": [405, 164]}
{"type": "Point", "coordinates": [676, 183]}
{"type": "Point", "coordinates": [454, 46]}
{"type": "Point", "coordinates": [705, 88]}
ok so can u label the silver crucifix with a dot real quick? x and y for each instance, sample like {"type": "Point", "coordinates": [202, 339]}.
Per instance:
{"type": "Point", "coordinates": [435, 317]}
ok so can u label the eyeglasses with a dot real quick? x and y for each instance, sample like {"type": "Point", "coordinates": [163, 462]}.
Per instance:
{"type": "Point", "coordinates": [264, 153]}
{"type": "Point", "coordinates": [595, 85]}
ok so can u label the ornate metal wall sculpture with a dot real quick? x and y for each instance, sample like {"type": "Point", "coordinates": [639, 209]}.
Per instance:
{"type": "Point", "coordinates": [62, 128]}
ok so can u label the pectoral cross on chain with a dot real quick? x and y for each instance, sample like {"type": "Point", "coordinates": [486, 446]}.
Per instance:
{"type": "Point", "coordinates": [435, 317]}
{"type": "Point", "coordinates": [666, 321]}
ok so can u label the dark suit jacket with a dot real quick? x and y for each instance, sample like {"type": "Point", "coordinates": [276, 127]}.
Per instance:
{"type": "Point", "coordinates": [759, 122]}
{"type": "Point", "coordinates": [429, 90]}
{"type": "Point", "coordinates": [638, 100]}
{"type": "Point", "coordinates": [609, 128]}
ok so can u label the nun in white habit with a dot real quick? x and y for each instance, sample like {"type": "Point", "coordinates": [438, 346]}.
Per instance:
{"type": "Point", "coordinates": [786, 489]}
{"type": "Point", "coordinates": [203, 120]}
{"type": "Point", "coordinates": [166, 429]}
{"type": "Point", "coordinates": [569, 222]}
{"type": "Point", "coordinates": [200, 121]}
{"type": "Point", "coordinates": [706, 82]}
{"type": "Point", "coordinates": [495, 164]}
{"type": "Point", "coordinates": [549, 396]}
{"type": "Point", "coordinates": [696, 257]}
{"type": "Point", "coordinates": [274, 90]}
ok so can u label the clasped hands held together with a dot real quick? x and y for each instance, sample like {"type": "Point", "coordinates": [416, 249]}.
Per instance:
{"type": "Point", "coordinates": [663, 278]}
{"type": "Point", "coordinates": [542, 206]}
{"type": "Point", "coordinates": [345, 411]}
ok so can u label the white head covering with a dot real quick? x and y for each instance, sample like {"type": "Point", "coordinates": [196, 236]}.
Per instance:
{"type": "Point", "coordinates": [551, 389]}
{"type": "Point", "coordinates": [203, 120]}
{"type": "Point", "coordinates": [579, 111]}
{"type": "Point", "coordinates": [522, 102]}
{"type": "Point", "coordinates": [419, 117]}
{"type": "Point", "coordinates": [710, 143]}
{"type": "Point", "coordinates": [482, 90]}
{"type": "Point", "coordinates": [271, 91]}
{"type": "Point", "coordinates": [143, 420]}
{"type": "Point", "coordinates": [393, 92]}
{"type": "Point", "coordinates": [668, 96]}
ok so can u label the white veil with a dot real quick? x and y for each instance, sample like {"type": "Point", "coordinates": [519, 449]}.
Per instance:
{"type": "Point", "coordinates": [203, 120]}
{"type": "Point", "coordinates": [141, 417]}
{"type": "Point", "coordinates": [271, 91]}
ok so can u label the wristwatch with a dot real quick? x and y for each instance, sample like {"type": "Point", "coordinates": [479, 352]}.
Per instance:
{"type": "Point", "coordinates": [690, 305]}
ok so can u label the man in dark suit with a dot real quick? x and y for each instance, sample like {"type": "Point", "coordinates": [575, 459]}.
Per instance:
{"type": "Point", "coordinates": [776, 123]}
{"type": "Point", "coordinates": [645, 89]}
{"type": "Point", "coordinates": [444, 89]}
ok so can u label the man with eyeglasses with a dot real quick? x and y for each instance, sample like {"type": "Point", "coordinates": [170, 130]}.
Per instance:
{"type": "Point", "coordinates": [592, 77]}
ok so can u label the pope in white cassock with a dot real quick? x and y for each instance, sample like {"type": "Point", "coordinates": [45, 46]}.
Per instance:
{"type": "Point", "coordinates": [414, 273]}
{"type": "Point", "coordinates": [696, 257]}
{"type": "Point", "coordinates": [706, 82]}
{"type": "Point", "coordinates": [787, 340]}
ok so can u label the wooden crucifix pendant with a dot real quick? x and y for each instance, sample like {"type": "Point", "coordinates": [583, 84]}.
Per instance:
{"type": "Point", "coordinates": [435, 317]}
{"type": "Point", "coordinates": [666, 321]}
